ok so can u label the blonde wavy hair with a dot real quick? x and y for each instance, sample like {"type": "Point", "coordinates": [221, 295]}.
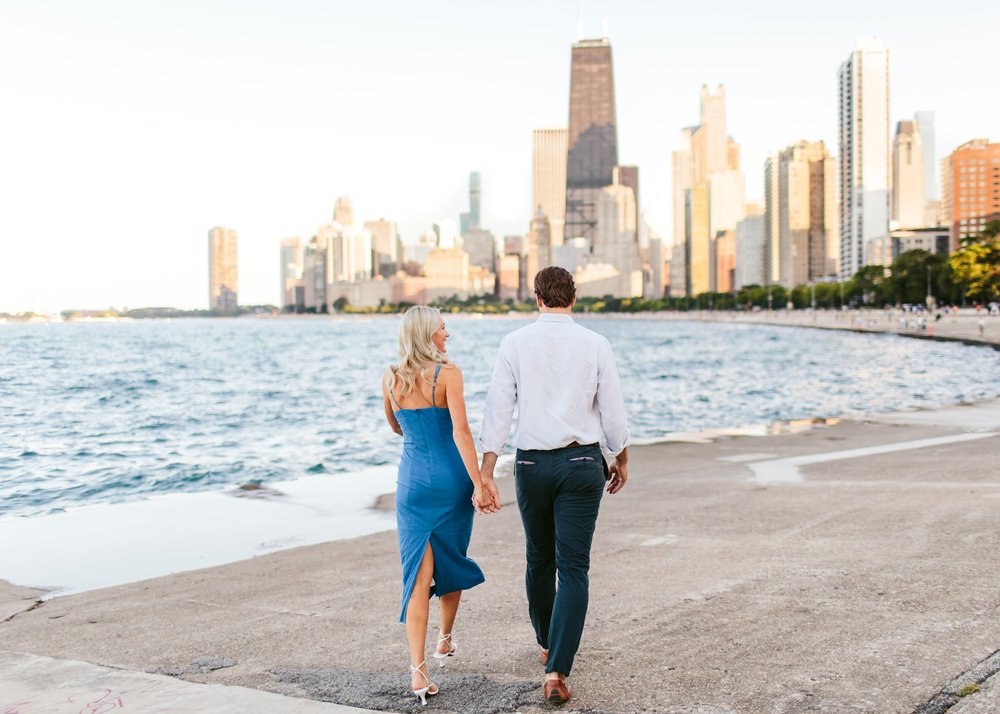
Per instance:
{"type": "Point", "coordinates": [416, 348]}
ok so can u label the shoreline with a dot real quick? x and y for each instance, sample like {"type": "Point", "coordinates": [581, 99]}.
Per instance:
{"type": "Point", "coordinates": [285, 517]}
{"type": "Point", "coordinates": [230, 518]}
{"type": "Point", "coordinates": [961, 327]}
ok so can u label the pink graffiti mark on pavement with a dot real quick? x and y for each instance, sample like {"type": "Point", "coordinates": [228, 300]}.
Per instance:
{"type": "Point", "coordinates": [106, 703]}
{"type": "Point", "coordinates": [100, 702]}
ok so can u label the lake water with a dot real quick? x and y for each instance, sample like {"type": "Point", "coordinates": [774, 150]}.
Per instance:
{"type": "Point", "coordinates": [93, 413]}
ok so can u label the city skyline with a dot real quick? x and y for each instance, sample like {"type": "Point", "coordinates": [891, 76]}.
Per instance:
{"type": "Point", "coordinates": [222, 119]}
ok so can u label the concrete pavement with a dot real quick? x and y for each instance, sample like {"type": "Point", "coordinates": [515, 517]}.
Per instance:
{"type": "Point", "coordinates": [40, 685]}
{"type": "Point", "coordinates": [859, 574]}
{"type": "Point", "coordinates": [962, 325]}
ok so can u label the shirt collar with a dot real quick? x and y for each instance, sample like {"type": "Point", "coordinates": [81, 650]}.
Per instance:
{"type": "Point", "coordinates": [554, 317]}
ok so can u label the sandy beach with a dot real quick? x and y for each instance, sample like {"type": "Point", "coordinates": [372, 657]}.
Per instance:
{"type": "Point", "coordinates": [848, 567]}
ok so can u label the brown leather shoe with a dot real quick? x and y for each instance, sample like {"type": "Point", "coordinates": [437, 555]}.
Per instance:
{"type": "Point", "coordinates": [556, 691]}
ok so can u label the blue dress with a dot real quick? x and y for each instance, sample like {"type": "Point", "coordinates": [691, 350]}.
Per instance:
{"type": "Point", "coordinates": [433, 502]}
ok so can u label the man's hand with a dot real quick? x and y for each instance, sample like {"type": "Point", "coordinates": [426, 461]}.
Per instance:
{"type": "Point", "coordinates": [486, 499]}
{"type": "Point", "coordinates": [619, 472]}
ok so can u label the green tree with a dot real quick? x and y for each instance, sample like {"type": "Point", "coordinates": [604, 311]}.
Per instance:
{"type": "Point", "coordinates": [869, 286]}
{"type": "Point", "coordinates": [916, 272]}
{"type": "Point", "coordinates": [976, 265]}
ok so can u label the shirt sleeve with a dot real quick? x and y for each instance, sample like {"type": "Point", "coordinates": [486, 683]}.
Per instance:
{"type": "Point", "coordinates": [498, 411]}
{"type": "Point", "coordinates": [611, 403]}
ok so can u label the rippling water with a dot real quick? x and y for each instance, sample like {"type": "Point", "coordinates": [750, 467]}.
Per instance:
{"type": "Point", "coordinates": [115, 411]}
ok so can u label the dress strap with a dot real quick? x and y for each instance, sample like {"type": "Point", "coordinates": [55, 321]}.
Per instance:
{"type": "Point", "coordinates": [434, 385]}
{"type": "Point", "coordinates": [392, 395]}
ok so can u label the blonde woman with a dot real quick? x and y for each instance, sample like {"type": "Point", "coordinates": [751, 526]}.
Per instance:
{"type": "Point", "coordinates": [438, 487]}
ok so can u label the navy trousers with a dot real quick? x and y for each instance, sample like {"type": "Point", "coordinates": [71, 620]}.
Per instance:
{"type": "Point", "coordinates": [559, 495]}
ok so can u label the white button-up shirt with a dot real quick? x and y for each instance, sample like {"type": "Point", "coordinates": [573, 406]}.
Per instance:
{"type": "Point", "coordinates": [563, 380]}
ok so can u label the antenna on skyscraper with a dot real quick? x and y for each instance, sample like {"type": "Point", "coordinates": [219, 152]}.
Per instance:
{"type": "Point", "coordinates": [579, 20]}
{"type": "Point", "coordinates": [604, 20]}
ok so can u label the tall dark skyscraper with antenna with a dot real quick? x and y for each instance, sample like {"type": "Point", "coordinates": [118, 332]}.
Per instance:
{"type": "Point", "coordinates": [593, 135]}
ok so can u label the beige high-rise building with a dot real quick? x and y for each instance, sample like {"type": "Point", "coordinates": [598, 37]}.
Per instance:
{"type": "Point", "coordinates": [708, 194]}
{"type": "Point", "coordinates": [725, 260]}
{"type": "Point", "coordinates": [292, 269]}
{"type": "Point", "coordinates": [509, 277]}
{"type": "Point", "coordinates": [802, 209]}
{"type": "Point", "coordinates": [343, 211]}
{"type": "Point", "coordinates": [223, 285]}
{"type": "Point", "coordinates": [385, 246]}
{"type": "Point", "coordinates": [616, 241]}
{"type": "Point", "coordinates": [699, 240]}
{"type": "Point", "coordinates": [447, 271]}
{"type": "Point", "coordinates": [683, 177]}
{"type": "Point", "coordinates": [548, 179]}
{"type": "Point", "coordinates": [908, 186]}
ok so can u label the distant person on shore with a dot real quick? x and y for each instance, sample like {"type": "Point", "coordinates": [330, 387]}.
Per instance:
{"type": "Point", "coordinates": [563, 381]}
{"type": "Point", "coordinates": [438, 475]}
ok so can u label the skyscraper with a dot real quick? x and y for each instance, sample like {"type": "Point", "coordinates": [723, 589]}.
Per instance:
{"type": "Point", "coordinates": [750, 250]}
{"type": "Point", "coordinates": [803, 196]}
{"type": "Point", "coordinates": [592, 148]}
{"type": "Point", "coordinates": [472, 219]}
{"type": "Point", "coordinates": [222, 269]}
{"type": "Point", "coordinates": [683, 179]}
{"type": "Point", "coordinates": [708, 192]}
{"type": "Point", "coordinates": [548, 179]}
{"type": "Point", "coordinates": [925, 125]}
{"type": "Point", "coordinates": [864, 152]}
{"type": "Point", "coordinates": [385, 245]}
{"type": "Point", "coordinates": [973, 172]}
{"type": "Point", "coordinates": [343, 211]}
{"type": "Point", "coordinates": [292, 267]}
{"type": "Point", "coordinates": [908, 187]}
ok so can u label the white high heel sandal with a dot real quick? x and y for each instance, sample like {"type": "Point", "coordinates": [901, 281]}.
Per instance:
{"type": "Point", "coordinates": [424, 692]}
{"type": "Point", "coordinates": [452, 651]}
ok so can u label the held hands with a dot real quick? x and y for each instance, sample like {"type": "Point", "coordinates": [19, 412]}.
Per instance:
{"type": "Point", "coordinates": [486, 498]}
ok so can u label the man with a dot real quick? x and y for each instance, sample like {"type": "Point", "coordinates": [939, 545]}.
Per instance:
{"type": "Point", "coordinates": [563, 381]}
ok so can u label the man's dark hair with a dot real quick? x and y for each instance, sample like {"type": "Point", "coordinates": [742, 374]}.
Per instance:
{"type": "Point", "coordinates": [554, 285]}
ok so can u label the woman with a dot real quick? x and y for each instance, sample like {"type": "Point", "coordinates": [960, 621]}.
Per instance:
{"type": "Point", "coordinates": [437, 475]}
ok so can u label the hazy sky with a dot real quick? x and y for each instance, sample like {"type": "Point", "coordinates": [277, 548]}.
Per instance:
{"type": "Point", "coordinates": [128, 129]}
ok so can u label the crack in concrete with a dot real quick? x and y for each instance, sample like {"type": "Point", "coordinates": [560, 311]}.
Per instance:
{"type": "Point", "coordinates": [37, 604]}
{"type": "Point", "coordinates": [949, 694]}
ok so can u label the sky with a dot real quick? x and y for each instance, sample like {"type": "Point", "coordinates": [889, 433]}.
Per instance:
{"type": "Point", "coordinates": [129, 129]}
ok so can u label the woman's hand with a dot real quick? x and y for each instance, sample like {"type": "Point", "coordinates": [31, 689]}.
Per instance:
{"type": "Point", "coordinates": [486, 500]}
